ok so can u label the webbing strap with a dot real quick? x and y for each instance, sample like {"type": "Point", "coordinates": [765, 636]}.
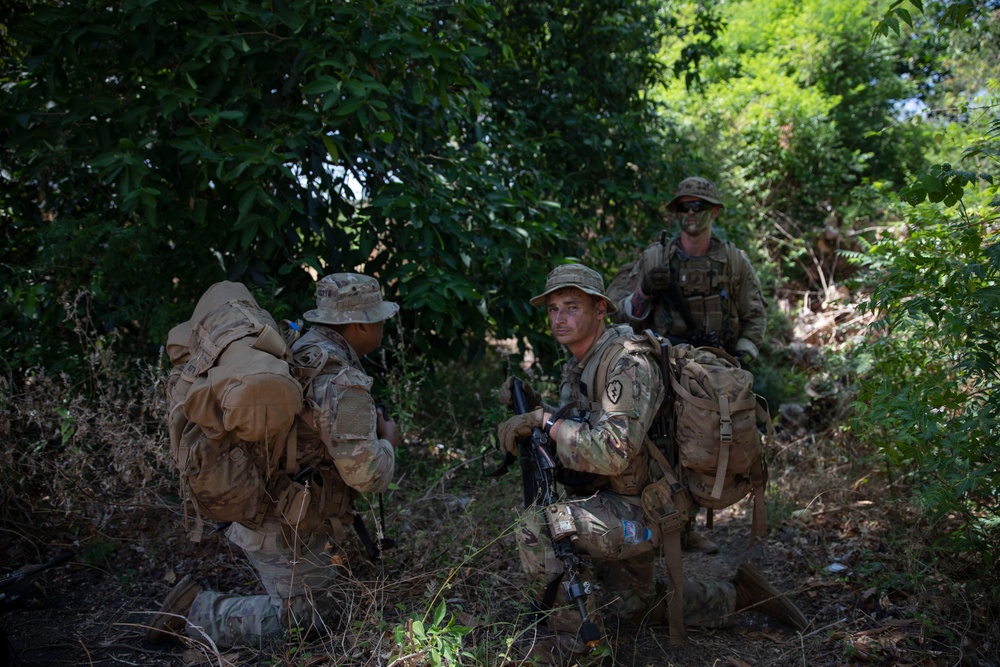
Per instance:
{"type": "Point", "coordinates": [671, 546]}
{"type": "Point", "coordinates": [675, 573]}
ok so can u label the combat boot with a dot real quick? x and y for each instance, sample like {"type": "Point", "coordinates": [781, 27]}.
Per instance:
{"type": "Point", "coordinates": [169, 622]}
{"type": "Point", "coordinates": [753, 592]}
{"type": "Point", "coordinates": [695, 541]}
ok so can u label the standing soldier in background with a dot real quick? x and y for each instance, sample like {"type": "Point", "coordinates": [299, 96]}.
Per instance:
{"type": "Point", "coordinates": [609, 395]}
{"type": "Point", "coordinates": [344, 446]}
{"type": "Point", "coordinates": [696, 289]}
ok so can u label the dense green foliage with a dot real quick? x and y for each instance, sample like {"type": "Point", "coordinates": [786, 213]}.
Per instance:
{"type": "Point", "coordinates": [794, 115]}
{"type": "Point", "coordinates": [930, 402]}
{"type": "Point", "coordinates": [153, 148]}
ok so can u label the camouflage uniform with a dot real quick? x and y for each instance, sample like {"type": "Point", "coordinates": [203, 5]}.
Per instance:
{"type": "Point", "coordinates": [733, 307]}
{"type": "Point", "coordinates": [604, 434]}
{"type": "Point", "coordinates": [718, 292]}
{"type": "Point", "coordinates": [337, 440]}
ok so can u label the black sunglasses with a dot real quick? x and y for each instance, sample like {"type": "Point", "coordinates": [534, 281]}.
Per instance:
{"type": "Point", "coordinates": [693, 206]}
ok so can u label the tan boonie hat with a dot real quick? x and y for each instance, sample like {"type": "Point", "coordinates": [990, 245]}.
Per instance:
{"type": "Point", "coordinates": [695, 186]}
{"type": "Point", "coordinates": [342, 298]}
{"type": "Point", "coordinates": [574, 275]}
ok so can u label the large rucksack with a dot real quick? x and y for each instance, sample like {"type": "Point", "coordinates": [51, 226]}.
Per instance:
{"type": "Point", "coordinates": [715, 415]}
{"type": "Point", "coordinates": [704, 441]}
{"type": "Point", "coordinates": [233, 401]}
{"type": "Point", "coordinates": [714, 442]}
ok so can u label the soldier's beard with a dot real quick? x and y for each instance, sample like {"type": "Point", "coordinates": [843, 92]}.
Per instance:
{"type": "Point", "coordinates": [695, 223]}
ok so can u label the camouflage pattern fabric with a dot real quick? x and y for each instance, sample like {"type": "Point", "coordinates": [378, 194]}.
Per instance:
{"type": "Point", "coordinates": [297, 591]}
{"type": "Point", "coordinates": [741, 313]}
{"type": "Point", "coordinates": [606, 431]}
{"type": "Point", "coordinates": [339, 422]}
{"type": "Point", "coordinates": [604, 435]}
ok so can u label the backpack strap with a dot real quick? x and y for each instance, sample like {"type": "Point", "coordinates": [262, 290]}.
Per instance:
{"type": "Point", "coordinates": [596, 374]}
{"type": "Point", "coordinates": [670, 544]}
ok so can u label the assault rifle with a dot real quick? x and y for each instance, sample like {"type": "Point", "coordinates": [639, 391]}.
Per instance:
{"type": "Point", "coordinates": [662, 435]}
{"type": "Point", "coordinates": [18, 585]}
{"type": "Point", "coordinates": [538, 475]}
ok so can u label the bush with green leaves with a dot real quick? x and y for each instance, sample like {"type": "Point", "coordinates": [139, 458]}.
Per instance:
{"type": "Point", "coordinates": [454, 150]}
{"type": "Point", "coordinates": [931, 403]}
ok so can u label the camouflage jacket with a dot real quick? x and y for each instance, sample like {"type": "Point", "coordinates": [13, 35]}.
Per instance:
{"type": "Point", "coordinates": [729, 304]}
{"type": "Point", "coordinates": [605, 430]}
{"type": "Point", "coordinates": [339, 420]}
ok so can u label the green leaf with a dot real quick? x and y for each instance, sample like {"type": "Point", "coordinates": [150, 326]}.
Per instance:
{"type": "Point", "coordinates": [331, 148]}
{"type": "Point", "coordinates": [439, 614]}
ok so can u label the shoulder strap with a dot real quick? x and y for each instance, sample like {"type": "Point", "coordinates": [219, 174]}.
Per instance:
{"type": "Point", "coordinates": [596, 374]}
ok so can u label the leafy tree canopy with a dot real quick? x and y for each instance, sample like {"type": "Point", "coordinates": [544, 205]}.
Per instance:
{"type": "Point", "coordinates": [151, 149]}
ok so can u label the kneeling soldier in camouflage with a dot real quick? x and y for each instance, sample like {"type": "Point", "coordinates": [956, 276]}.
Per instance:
{"type": "Point", "coordinates": [344, 446]}
{"type": "Point", "coordinates": [598, 435]}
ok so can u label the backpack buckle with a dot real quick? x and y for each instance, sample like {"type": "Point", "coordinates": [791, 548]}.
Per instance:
{"type": "Point", "coordinates": [726, 429]}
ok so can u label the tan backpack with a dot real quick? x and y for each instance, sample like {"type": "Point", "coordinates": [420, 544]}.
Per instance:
{"type": "Point", "coordinates": [708, 425]}
{"type": "Point", "coordinates": [715, 415]}
{"type": "Point", "coordinates": [233, 402]}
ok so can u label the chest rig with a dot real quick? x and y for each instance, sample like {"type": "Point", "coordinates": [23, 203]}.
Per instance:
{"type": "Point", "coordinates": [697, 308]}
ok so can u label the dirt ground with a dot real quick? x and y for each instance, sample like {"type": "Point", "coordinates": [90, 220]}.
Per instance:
{"type": "Point", "coordinates": [831, 558]}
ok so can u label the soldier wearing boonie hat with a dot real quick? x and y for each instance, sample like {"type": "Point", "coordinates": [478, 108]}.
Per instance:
{"type": "Point", "coordinates": [344, 445]}
{"type": "Point", "coordinates": [610, 391]}
{"type": "Point", "coordinates": [579, 276]}
{"type": "Point", "coordinates": [695, 288]}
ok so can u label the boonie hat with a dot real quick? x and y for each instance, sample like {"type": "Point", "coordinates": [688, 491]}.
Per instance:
{"type": "Point", "coordinates": [695, 186]}
{"type": "Point", "coordinates": [574, 275]}
{"type": "Point", "coordinates": [342, 298]}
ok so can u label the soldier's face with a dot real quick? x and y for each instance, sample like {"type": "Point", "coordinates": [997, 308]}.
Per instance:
{"type": "Point", "coordinates": [695, 215]}
{"type": "Point", "coordinates": [575, 317]}
{"type": "Point", "coordinates": [368, 338]}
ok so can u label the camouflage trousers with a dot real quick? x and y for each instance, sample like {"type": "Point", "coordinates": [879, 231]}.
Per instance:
{"type": "Point", "coordinates": [295, 581]}
{"type": "Point", "coordinates": [611, 530]}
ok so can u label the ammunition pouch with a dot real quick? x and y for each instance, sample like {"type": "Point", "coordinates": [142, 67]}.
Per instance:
{"type": "Point", "coordinates": [306, 503]}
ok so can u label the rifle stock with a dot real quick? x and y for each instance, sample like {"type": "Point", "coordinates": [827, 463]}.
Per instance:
{"type": "Point", "coordinates": [17, 585]}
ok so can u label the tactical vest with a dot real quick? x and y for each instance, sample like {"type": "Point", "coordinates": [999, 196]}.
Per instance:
{"type": "Point", "coordinates": [700, 310]}
{"type": "Point", "coordinates": [584, 405]}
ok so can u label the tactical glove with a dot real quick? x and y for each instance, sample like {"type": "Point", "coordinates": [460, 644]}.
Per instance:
{"type": "Point", "coordinates": [518, 427]}
{"type": "Point", "coordinates": [656, 281]}
{"type": "Point", "coordinates": [506, 394]}
{"type": "Point", "coordinates": [746, 351]}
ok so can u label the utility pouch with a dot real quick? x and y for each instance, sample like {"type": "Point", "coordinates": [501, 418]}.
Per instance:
{"type": "Point", "coordinates": [666, 504]}
{"type": "Point", "coordinates": [713, 313]}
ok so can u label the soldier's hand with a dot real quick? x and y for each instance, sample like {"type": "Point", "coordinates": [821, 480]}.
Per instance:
{"type": "Point", "coordinates": [506, 394]}
{"type": "Point", "coordinates": [656, 281]}
{"type": "Point", "coordinates": [518, 427]}
{"type": "Point", "coordinates": [386, 429]}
